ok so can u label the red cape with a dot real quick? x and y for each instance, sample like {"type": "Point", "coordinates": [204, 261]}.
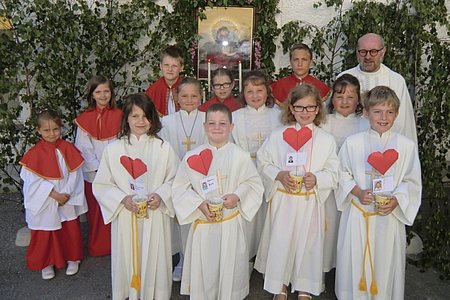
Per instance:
{"type": "Point", "coordinates": [229, 102]}
{"type": "Point", "coordinates": [159, 94]}
{"type": "Point", "coordinates": [282, 87]}
{"type": "Point", "coordinates": [42, 159]}
{"type": "Point", "coordinates": [102, 124]}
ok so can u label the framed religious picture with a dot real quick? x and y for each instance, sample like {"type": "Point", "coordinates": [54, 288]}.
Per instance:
{"type": "Point", "coordinates": [225, 41]}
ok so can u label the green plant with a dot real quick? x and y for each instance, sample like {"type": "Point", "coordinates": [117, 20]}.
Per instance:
{"type": "Point", "coordinates": [54, 48]}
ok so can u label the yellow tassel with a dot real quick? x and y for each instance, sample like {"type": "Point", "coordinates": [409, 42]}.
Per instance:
{"type": "Point", "coordinates": [373, 288]}
{"type": "Point", "coordinates": [362, 284]}
{"type": "Point", "coordinates": [136, 282]}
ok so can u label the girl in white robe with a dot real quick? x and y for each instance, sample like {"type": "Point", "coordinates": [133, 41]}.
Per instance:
{"type": "Point", "coordinates": [139, 164]}
{"type": "Point", "coordinates": [372, 241]}
{"type": "Point", "coordinates": [184, 130]}
{"type": "Point", "coordinates": [252, 125]}
{"type": "Point", "coordinates": [344, 119]}
{"type": "Point", "coordinates": [291, 247]}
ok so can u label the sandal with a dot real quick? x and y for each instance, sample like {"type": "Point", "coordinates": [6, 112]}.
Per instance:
{"type": "Point", "coordinates": [282, 294]}
{"type": "Point", "coordinates": [301, 296]}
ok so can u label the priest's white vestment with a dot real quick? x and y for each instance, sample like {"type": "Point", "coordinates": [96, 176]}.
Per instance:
{"type": "Point", "coordinates": [110, 186]}
{"type": "Point", "coordinates": [291, 247]}
{"type": "Point", "coordinates": [184, 131]}
{"type": "Point", "coordinates": [251, 128]}
{"type": "Point", "coordinates": [340, 127]}
{"type": "Point", "coordinates": [387, 238]}
{"type": "Point", "coordinates": [216, 258]}
{"type": "Point", "coordinates": [405, 122]}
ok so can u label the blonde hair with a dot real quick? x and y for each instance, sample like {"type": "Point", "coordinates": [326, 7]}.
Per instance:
{"type": "Point", "coordinates": [299, 92]}
{"type": "Point", "coordinates": [381, 94]}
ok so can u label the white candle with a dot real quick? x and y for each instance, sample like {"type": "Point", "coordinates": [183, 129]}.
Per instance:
{"type": "Point", "coordinates": [209, 75]}
{"type": "Point", "coordinates": [240, 76]}
{"type": "Point", "coordinates": [204, 96]}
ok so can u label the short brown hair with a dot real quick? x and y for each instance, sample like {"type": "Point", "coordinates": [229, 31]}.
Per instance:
{"type": "Point", "coordinates": [381, 94]}
{"type": "Point", "coordinates": [48, 115]}
{"type": "Point", "coordinates": [219, 107]}
{"type": "Point", "coordinates": [174, 52]}
{"type": "Point", "coordinates": [299, 92]}
{"type": "Point", "coordinates": [300, 46]}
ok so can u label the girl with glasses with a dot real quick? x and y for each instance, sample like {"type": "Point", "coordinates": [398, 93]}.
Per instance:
{"type": "Point", "coordinates": [222, 86]}
{"type": "Point", "coordinates": [299, 165]}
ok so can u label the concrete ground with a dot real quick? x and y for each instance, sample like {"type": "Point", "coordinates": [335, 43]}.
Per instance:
{"type": "Point", "coordinates": [93, 279]}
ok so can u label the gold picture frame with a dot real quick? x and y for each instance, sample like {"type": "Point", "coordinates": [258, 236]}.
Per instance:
{"type": "Point", "coordinates": [225, 40]}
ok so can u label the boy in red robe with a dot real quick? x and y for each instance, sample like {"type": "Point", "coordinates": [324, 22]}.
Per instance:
{"type": "Point", "coordinates": [163, 91]}
{"type": "Point", "coordinates": [301, 58]}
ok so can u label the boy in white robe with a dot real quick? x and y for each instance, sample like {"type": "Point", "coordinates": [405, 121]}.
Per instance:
{"type": "Point", "coordinates": [139, 163]}
{"type": "Point", "coordinates": [184, 130]}
{"type": "Point", "coordinates": [216, 261]}
{"type": "Point", "coordinates": [372, 239]}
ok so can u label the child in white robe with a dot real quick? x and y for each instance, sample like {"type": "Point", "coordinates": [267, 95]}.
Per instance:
{"type": "Point", "coordinates": [216, 261]}
{"type": "Point", "coordinates": [344, 119]}
{"type": "Point", "coordinates": [291, 247]}
{"type": "Point", "coordinates": [252, 125]}
{"type": "Point", "coordinates": [184, 130]}
{"type": "Point", "coordinates": [138, 166]}
{"type": "Point", "coordinates": [372, 240]}
{"type": "Point", "coordinates": [53, 199]}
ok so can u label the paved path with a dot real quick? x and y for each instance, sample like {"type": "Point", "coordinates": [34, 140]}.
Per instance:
{"type": "Point", "coordinates": [93, 279]}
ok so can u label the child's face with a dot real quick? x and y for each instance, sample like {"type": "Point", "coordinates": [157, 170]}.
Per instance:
{"type": "Point", "coordinates": [222, 86]}
{"type": "Point", "coordinates": [171, 68]}
{"type": "Point", "coordinates": [189, 97]}
{"type": "Point", "coordinates": [138, 122]}
{"type": "Point", "coordinates": [300, 63]}
{"type": "Point", "coordinates": [310, 110]}
{"type": "Point", "coordinates": [381, 117]}
{"type": "Point", "coordinates": [102, 95]}
{"type": "Point", "coordinates": [345, 102]}
{"type": "Point", "coordinates": [49, 131]}
{"type": "Point", "coordinates": [255, 95]}
{"type": "Point", "coordinates": [217, 128]}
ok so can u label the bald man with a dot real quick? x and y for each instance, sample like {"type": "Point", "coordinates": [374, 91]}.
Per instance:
{"type": "Point", "coordinates": [371, 72]}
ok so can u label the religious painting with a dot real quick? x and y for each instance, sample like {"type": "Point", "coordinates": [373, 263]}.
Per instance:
{"type": "Point", "coordinates": [225, 40]}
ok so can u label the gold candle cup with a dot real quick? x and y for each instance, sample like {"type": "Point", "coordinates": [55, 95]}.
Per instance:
{"type": "Point", "coordinates": [216, 209]}
{"type": "Point", "coordinates": [298, 182]}
{"type": "Point", "coordinates": [141, 202]}
{"type": "Point", "coordinates": [380, 200]}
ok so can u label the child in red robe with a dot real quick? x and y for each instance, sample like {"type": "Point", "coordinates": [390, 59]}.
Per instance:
{"type": "Point", "coordinates": [222, 85]}
{"type": "Point", "coordinates": [301, 58]}
{"type": "Point", "coordinates": [54, 199]}
{"type": "Point", "coordinates": [163, 91]}
{"type": "Point", "coordinates": [98, 125]}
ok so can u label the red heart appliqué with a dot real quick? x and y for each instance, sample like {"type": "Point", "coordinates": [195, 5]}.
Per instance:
{"type": "Point", "coordinates": [297, 138]}
{"type": "Point", "coordinates": [135, 167]}
{"type": "Point", "coordinates": [383, 161]}
{"type": "Point", "coordinates": [201, 162]}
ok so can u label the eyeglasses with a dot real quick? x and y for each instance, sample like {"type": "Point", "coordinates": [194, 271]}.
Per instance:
{"type": "Point", "coordinates": [299, 108]}
{"type": "Point", "coordinates": [372, 52]}
{"type": "Point", "coordinates": [218, 86]}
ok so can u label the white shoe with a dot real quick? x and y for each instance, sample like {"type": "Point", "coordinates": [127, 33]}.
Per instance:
{"type": "Point", "coordinates": [176, 275]}
{"type": "Point", "coordinates": [72, 267]}
{"type": "Point", "coordinates": [48, 273]}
